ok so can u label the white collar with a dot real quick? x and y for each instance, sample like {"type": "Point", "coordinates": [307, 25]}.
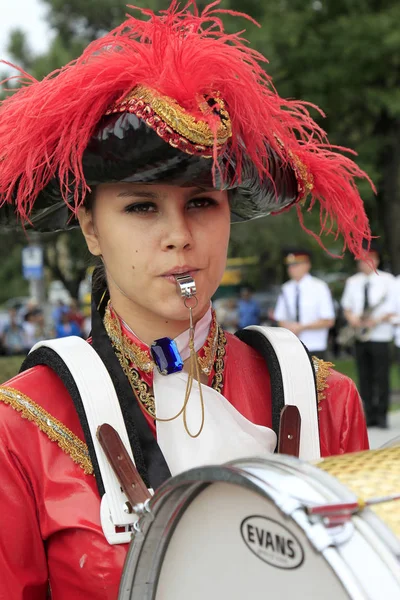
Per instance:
{"type": "Point", "coordinates": [303, 280]}
{"type": "Point", "coordinates": [374, 275]}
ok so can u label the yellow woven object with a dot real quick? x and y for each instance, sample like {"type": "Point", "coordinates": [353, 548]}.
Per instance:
{"type": "Point", "coordinates": [371, 474]}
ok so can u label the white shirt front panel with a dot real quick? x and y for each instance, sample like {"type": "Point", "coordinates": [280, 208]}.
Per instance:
{"type": "Point", "coordinates": [315, 302]}
{"type": "Point", "coordinates": [226, 434]}
{"type": "Point", "coordinates": [381, 294]}
{"type": "Point", "coordinates": [396, 320]}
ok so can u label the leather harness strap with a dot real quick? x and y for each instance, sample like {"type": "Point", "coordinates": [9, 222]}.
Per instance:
{"type": "Point", "coordinates": [289, 431]}
{"type": "Point", "coordinates": [123, 466]}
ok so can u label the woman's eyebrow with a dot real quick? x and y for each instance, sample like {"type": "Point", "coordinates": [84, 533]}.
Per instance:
{"type": "Point", "coordinates": [139, 194]}
{"type": "Point", "coordinates": [202, 190]}
{"type": "Point", "coordinates": [149, 195]}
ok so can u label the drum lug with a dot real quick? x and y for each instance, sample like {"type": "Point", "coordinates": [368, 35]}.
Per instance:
{"type": "Point", "coordinates": [340, 534]}
{"type": "Point", "coordinates": [144, 513]}
{"type": "Point", "coordinates": [339, 528]}
{"type": "Point", "coordinates": [143, 508]}
{"type": "Point", "coordinates": [287, 505]}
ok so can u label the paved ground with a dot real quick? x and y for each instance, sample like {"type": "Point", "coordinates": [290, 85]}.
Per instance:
{"type": "Point", "coordinates": [378, 437]}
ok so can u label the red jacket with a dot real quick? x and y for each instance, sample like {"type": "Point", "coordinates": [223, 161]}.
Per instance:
{"type": "Point", "coordinates": [49, 508]}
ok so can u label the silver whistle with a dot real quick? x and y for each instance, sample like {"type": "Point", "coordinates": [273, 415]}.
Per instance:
{"type": "Point", "coordinates": [186, 286]}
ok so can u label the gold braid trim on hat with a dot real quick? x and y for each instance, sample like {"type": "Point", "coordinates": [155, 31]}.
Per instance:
{"type": "Point", "coordinates": [54, 429]}
{"type": "Point", "coordinates": [173, 123]}
{"type": "Point", "coordinates": [322, 370]}
{"type": "Point", "coordinates": [305, 179]}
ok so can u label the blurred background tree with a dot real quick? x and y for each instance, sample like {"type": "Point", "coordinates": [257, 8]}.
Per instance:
{"type": "Point", "coordinates": [343, 55]}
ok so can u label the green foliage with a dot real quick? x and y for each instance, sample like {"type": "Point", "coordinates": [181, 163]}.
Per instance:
{"type": "Point", "coordinates": [9, 366]}
{"type": "Point", "coordinates": [18, 47]}
{"type": "Point", "coordinates": [67, 258]}
{"type": "Point", "coordinates": [344, 56]}
{"type": "Point", "coordinates": [11, 281]}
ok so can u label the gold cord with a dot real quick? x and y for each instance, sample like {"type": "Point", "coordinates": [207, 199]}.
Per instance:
{"type": "Point", "coordinates": [194, 366]}
{"type": "Point", "coordinates": [193, 362]}
{"type": "Point", "coordinates": [101, 299]}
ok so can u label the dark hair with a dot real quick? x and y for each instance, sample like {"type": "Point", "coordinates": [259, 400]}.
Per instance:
{"type": "Point", "coordinates": [99, 277]}
{"type": "Point", "coordinates": [90, 198]}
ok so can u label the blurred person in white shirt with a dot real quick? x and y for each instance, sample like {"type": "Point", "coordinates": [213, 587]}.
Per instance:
{"type": "Point", "coordinates": [305, 304]}
{"type": "Point", "coordinates": [368, 302]}
{"type": "Point", "coordinates": [396, 318]}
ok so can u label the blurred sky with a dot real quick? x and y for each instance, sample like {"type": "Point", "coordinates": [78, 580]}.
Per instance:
{"type": "Point", "coordinates": [28, 15]}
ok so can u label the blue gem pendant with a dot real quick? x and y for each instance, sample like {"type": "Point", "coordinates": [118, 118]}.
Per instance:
{"type": "Point", "coordinates": [166, 356]}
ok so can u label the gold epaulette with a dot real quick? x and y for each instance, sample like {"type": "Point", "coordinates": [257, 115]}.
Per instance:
{"type": "Point", "coordinates": [322, 370]}
{"type": "Point", "coordinates": [54, 429]}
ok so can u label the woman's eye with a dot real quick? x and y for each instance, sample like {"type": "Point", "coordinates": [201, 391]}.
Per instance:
{"type": "Point", "coordinates": [141, 208]}
{"type": "Point", "coordinates": [201, 203]}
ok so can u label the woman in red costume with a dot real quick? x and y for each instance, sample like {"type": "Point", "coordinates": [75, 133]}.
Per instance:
{"type": "Point", "coordinates": [154, 140]}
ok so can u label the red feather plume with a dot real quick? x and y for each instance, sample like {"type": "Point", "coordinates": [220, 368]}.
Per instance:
{"type": "Point", "coordinates": [46, 125]}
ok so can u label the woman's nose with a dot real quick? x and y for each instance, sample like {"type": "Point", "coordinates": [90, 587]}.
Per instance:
{"type": "Point", "coordinates": [178, 235]}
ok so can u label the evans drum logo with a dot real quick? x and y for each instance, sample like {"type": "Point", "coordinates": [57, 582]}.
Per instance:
{"type": "Point", "coordinates": [272, 542]}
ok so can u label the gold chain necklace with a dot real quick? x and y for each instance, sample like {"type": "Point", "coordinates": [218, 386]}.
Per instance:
{"type": "Point", "coordinates": [141, 389]}
{"type": "Point", "coordinates": [142, 359]}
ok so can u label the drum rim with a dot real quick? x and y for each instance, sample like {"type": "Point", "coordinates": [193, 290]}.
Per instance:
{"type": "Point", "coordinates": [239, 473]}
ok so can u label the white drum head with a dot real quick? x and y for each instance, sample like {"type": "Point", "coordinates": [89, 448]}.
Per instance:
{"type": "Point", "coordinates": [233, 543]}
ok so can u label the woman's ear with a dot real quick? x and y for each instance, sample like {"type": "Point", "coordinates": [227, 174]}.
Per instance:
{"type": "Point", "coordinates": [85, 218]}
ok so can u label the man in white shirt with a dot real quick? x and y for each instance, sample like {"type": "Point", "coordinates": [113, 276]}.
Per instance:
{"type": "Point", "coordinates": [368, 302]}
{"type": "Point", "coordinates": [305, 304]}
{"type": "Point", "coordinates": [396, 319]}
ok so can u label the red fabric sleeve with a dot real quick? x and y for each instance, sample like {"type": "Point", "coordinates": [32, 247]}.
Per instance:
{"type": "Point", "coordinates": [49, 508]}
{"type": "Point", "coordinates": [341, 417]}
{"type": "Point", "coordinates": [354, 434]}
{"type": "Point", "coordinates": [23, 565]}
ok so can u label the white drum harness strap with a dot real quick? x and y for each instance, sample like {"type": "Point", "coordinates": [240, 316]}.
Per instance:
{"type": "Point", "coordinates": [292, 382]}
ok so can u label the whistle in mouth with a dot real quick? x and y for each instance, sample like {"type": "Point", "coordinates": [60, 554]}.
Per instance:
{"type": "Point", "coordinates": [186, 286]}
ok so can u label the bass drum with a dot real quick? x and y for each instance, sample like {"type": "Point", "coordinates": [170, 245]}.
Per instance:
{"type": "Point", "coordinates": [244, 530]}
